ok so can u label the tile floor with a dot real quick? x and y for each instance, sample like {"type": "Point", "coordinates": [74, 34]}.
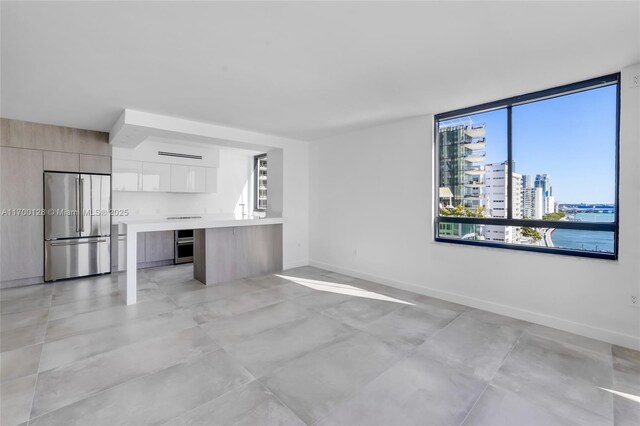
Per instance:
{"type": "Point", "coordinates": [305, 346]}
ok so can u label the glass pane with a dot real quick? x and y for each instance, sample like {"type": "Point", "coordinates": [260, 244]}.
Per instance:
{"type": "Point", "coordinates": [459, 231]}
{"type": "Point", "coordinates": [564, 155]}
{"type": "Point", "coordinates": [472, 163]}
{"type": "Point", "coordinates": [572, 239]}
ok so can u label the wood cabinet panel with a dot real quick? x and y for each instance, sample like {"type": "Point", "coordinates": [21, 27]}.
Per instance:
{"type": "Point", "coordinates": [25, 134]}
{"type": "Point", "coordinates": [159, 246]}
{"type": "Point", "coordinates": [226, 254]}
{"type": "Point", "coordinates": [61, 161]}
{"type": "Point", "coordinates": [21, 186]}
{"type": "Point", "coordinates": [95, 164]}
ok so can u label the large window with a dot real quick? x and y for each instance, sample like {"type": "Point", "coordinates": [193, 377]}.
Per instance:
{"type": "Point", "coordinates": [260, 183]}
{"type": "Point", "coordinates": [537, 172]}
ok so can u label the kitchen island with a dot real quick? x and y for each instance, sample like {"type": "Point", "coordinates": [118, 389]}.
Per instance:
{"type": "Point", "coordinates": [224, 249]}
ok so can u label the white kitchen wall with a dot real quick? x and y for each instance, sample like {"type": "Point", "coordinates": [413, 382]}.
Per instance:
{"type": "Point", "coordinates": [371, 216]}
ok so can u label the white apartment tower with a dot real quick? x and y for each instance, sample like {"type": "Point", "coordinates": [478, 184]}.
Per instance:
{"type": "Point", "coordinates": [497, 200]}
{"type": "Point", "coordinates": [549, 204]}
{"type": "Point", "coordinates": [532, 203]}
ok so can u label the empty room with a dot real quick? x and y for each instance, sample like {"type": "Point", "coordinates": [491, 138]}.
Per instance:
{"type": "Point", "coordinates": [315, 213]}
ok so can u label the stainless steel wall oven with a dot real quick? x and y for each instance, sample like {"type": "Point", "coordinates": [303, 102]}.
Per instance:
{"type": "Point", "coordinates": [183, 252]}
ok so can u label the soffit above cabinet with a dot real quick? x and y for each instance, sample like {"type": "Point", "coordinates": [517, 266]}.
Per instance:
{"type": "Point", "coordinates": [152, 151]}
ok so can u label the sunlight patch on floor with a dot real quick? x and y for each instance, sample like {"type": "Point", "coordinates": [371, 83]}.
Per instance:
{"type": "Point", "coordinates": [346, 289]}
{"type": "Point", "coordinates": [634, 398]}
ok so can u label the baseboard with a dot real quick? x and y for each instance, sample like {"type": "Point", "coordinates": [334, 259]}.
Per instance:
{"type": "Point", "coordinates": [21, 282]}
{"type": "Point", "coordinates": [155, 264]}
{"type": "Point", "coordinates": [296, 263]}
{"type": "Point", "coordinates": [609, 336]}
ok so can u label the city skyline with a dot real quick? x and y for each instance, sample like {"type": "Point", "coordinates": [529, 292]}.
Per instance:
{"type": "Point", "coordinates": [546, 137]}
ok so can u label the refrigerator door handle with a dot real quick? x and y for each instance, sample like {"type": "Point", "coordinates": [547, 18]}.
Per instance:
{"type": "Point", "coordinates": [75, 243]}
{"type": "Point", "coordinates": [77, 204]}
{"type": "Point", "coordinates": [81, 212]}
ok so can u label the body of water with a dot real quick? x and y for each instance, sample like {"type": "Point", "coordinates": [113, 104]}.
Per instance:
{"type": "Point", "coordinates": [586, 240]}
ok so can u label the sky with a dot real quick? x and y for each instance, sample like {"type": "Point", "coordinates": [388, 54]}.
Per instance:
{"type": "Point", "coordinates": [571, 138]}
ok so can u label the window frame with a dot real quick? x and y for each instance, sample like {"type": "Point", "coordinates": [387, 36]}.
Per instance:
{"type": "Point", "coordinates": [256, 182]}
{"type": "Point", "coordinates": [508, 104]}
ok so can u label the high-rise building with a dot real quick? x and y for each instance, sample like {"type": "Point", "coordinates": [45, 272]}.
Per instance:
{"type": "Point", "coordinates": [544, 181]}
{"type": "Point", "coordinates": [527, 181]}
{"type": "Point", "coordinates": [462, 153]}
{"type": "Point", "coordinates": [549, 204]}
{"type": "Point", "coordinates": [532, 203]}
{"type": "Point", "coordinates": [497, 200]}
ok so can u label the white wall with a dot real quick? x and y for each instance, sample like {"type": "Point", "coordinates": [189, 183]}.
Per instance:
{"type": "Point", "coordinates": [371, 216]}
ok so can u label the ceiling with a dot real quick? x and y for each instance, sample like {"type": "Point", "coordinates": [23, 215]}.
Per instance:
{"type": "Point", "coordinates": [304, 70]}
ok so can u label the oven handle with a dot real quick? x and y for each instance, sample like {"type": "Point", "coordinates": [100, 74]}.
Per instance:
{"type": "Point", "coordinates": [183, 243]}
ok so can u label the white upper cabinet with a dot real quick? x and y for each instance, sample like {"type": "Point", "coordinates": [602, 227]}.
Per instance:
{"type": "Point", "coordinates": [156, 177]}
{"type": "Point", "coordinates": [126, 175]}
{"type": "Point", "coordinates": [188, 178]}
{"type": "Point", "coordinates": [160, 167]}
{"type": "Point", "coordinates": [212, 179]}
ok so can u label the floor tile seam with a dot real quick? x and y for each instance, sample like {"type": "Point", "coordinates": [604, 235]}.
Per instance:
{"type": "Point", "coordinates": [576, 347]}
{"type": "Point", "coordinates": [169, 421]}
{"type": "Point", "coordinates": [565, 401]}
{"type": "Point", "coordinates": [341, 322]}
{"type": "Point", "coordinates": [99, 329]}
{"type": "Point", "coordinates": [20, 287]}
{"type": "Point", "coordinates": [168, 296]}
{"type": "Point", "coordinates": [231, 315]}
{"type": "Point", "coordinates": [570, 402]}
{"type": "Point", "coordinates": [110, 351]}
{"type": "Point", "coordinates": [204, 327]}
{"type": "Point", "coordinates": [212, 301]}
{"type": "Point", "coordinates": [594, 354]}
{"type": "Point", "coordinates": [401, 357]}
{"type": "Point", "coordinates": [87, 331]}
{"type": "Point", "coordinates": [13, 330]}
{"type": "Point", "coordinates": [613, 384]}
{"type": "Point", "coordinates": [441, 329]}
{"type": "Point", "coordinates": [115, 292]}
{"type": "Point", "coordinates": [16, 349]}
{"type": "Point", "coordinates": [143, 339]}
{"type": "Point", "coordinates": [277, 397]}
{"type": "Point", "coordinates": [116, 295]}
{"type": "Point", "coordinates": [94, 393]}
{"type": "Point", "coordinates": [44, 334]}
{"type": "Point", "coordinates": [258, 308]}
{"type": "Point", "coordinates": [490, 381]}
{"type": "Point", "coordinates": [398, 308]}
{"type": "Point", "coordinates": [24, 310]}
{"type": "Point", "coordinates": [295, 358]}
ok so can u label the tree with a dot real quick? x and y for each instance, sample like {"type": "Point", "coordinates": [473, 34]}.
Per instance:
{"type": "Point", "coordinates": [459, 210]}
{"type": "Point", "coordinates": [554, 216]}
{"type": "Point", "coordinates": [531, 233]}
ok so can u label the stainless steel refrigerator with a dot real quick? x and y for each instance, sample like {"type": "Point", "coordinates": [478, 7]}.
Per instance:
{"type": "Point", "coordinates": [77, 225]}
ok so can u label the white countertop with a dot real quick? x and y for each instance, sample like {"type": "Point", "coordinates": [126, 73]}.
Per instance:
{"type": "Point", "coordinates": [156, 224]}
